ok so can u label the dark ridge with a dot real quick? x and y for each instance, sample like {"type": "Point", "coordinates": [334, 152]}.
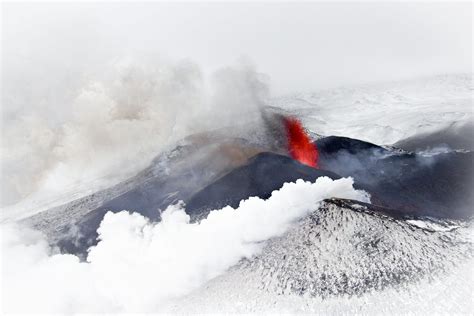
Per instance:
{"type": "Point", "coordinates": [333, 144]}
{"type": "Point", "coordinates": [438, 185]}
{"type": "Point", "coordinates": [358, 206]}
{"type": "Point", "coordinates": [265, 173]}
{"type": "Point", "coordinates": [260, 176]}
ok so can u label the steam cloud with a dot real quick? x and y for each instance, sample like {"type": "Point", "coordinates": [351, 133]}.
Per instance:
{"type": "Point", "coordinates": [139, 266]}
{"type": "Point", "coordinates": [118, 121]}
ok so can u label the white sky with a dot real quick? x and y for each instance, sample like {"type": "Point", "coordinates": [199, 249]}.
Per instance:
{"type": "Point", "coordinates": [301, 47]}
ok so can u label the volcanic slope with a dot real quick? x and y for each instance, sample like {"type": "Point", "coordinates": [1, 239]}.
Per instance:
{"type": "Point", "coordinates": [216, 175]}
{"type": "Point", "coordinates": [259, 176]}
{"type": "Point", "coordinates": [437, 184]}
{"type": "Point", "coordinates": [333, 258]}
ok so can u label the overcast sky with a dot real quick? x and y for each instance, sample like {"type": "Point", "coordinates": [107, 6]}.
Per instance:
{"type": "Point", "coordinates": [304, 46]}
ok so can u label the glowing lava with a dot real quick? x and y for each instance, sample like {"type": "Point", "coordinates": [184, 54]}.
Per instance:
{"type": "Point", "coordinates": [299, 143]}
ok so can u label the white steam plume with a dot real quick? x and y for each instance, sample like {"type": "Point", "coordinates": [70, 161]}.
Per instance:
{"type": "Point", "coordinates": [139, 266]}
{"type": "Point", "coordinates": [115, 123]}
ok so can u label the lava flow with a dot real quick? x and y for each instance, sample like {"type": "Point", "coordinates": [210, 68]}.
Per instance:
{"type": "Point", "coordinates": [300, 146]}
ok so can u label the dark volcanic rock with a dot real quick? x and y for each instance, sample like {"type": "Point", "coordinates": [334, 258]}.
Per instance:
{"type": "Point", "coordinates": [438, 185]}
{"type": "Point", "coordinates": [263, 174]}
{"type": "Point", "coordinates": [334, 144]}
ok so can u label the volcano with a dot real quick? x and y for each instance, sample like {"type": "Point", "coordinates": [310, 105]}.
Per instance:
{"type": "Point", "coordinates": [210, 173]}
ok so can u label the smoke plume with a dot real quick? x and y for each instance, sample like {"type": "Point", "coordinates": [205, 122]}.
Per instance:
{"type": "Point", "coordinates": [138, 266]}
{"type": "Point", "coordinates": [115, 123]}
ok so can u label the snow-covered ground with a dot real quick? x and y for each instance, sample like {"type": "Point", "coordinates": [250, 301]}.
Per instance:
{"type": "Point", "coordinates": [388, 112]}
{"type": "Point", "coordinates": [339, 261]}
{"type": "Point", "coordinates": [446, 295]}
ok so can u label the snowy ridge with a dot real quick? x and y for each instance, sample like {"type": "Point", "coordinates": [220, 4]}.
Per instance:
{"type": "Point", "coordinates": [343, 249]}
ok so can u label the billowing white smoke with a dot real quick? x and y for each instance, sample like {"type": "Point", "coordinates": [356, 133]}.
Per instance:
{"type": "Point", "coordinates": [138, 266]}
{"type": "Point", "coordinates": [112, 124]}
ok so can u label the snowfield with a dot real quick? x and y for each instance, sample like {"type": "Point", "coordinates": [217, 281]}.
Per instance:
{"type": "Point", "coordinates": [386, 113]}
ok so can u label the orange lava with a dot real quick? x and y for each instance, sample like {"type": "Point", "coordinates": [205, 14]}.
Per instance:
{"type": "Point", "coordinates": [299, 143]}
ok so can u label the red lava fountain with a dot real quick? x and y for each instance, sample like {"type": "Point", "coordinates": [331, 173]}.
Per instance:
{"type": "Point", "coordinates": [299, 143]}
